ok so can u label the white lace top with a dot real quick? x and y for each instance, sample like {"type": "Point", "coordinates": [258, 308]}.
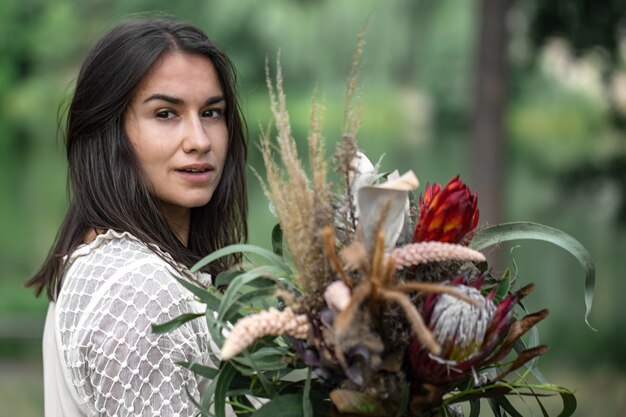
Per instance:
{"type": "Point", "coordinates": [100, 355]}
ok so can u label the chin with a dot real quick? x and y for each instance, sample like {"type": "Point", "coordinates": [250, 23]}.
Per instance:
{"type": "Point", "coordinates": [199, 201]}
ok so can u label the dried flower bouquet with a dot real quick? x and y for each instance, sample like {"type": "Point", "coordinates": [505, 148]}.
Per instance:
{"type": "Point", "coordinates": [376, 306]}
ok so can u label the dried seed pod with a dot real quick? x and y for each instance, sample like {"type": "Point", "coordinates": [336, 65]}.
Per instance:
{"type": "Point", "coordinates": [265, 323]}
{"type": "Point", "coordinates": [426, 252]}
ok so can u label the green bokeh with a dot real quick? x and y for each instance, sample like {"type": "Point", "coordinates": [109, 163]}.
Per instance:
{"type": "Point", "coordinates": [416, 97]}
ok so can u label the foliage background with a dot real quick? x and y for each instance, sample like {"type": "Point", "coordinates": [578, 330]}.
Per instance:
{"type": "Point", "coordinates": [565, 152]}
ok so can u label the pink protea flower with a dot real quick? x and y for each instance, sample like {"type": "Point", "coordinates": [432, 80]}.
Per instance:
{"type": "Point", "coordinates": [446, 214]}
{"type": "Point", "coordinates": [469, 335]}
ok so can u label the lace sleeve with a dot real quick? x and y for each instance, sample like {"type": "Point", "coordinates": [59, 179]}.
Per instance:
{"type": "Point", "coordinates": [133, 371]}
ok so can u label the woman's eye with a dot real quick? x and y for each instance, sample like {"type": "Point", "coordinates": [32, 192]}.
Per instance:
{"type": "Point", "coordinates": [212, 113]}
{"type": "Point", "coordinates": [165, 114]}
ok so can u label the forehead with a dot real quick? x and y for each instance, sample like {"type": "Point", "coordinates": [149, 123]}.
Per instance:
{"type": "Point", "coordinates": [182, 75]}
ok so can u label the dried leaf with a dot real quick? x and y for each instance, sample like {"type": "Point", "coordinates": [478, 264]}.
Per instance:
{"type": "Point", "coordinates": [517, 330]}
{"type": "Point", "coordinates": [354, 402]}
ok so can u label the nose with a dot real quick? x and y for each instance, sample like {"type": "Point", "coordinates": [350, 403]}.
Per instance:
{"type": "Point", "coordinates": [196, 137]}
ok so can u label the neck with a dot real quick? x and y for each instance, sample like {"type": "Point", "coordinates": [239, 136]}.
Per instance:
{"type": "Point", "coordinates": [178, 218]}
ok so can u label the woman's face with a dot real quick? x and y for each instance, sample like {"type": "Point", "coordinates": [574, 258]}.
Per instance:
{"type": "Point", "coordinates": [176, 124]}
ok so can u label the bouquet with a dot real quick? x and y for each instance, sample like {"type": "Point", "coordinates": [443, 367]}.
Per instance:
{"type": "Point", "coordinates": [371, 303]}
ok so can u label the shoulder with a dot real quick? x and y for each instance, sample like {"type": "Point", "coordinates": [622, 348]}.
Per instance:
{"type": "Point", "coordinates": [117, 283]}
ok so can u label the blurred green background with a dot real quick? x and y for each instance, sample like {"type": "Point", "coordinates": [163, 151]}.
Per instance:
{"type": "Point", "coordinates": [562, 146]}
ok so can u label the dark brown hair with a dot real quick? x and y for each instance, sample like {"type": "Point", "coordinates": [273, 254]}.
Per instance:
{"type": "Point", "coordinates": [104, 175]}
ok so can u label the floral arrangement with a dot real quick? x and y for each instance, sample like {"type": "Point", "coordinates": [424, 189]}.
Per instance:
{"type": "Point", "coordinates": [370, 303]}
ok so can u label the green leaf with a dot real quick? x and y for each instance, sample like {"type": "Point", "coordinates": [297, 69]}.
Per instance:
{"type": "Point", "coordinates": [175, 323]}
{"type": "Point", "coordinates": [265, 359]}
{"type": "Point", "coordinates": [520, 347]}
{"type": "Point", "coordinates": [569, 404]}
{"type": "Point", "coordinates": [224, 278]}
{"type": "Point", "coordinates": [277, 240]}
{"type": "Point", "coordinates": [238, 283]}
{"type": "Point", "coordinates": [242, 248]}
{"type": "Point", "coordinates": [495, 407]}
{"type": "Point", "coordinates": [474, 408]}
{"type": "Point", "coordinates": [404, 401]}
{"type": "Point", "coordinates": [265, 383]}
{"type": "Point", "coordinates": [215, 327]}
{"type": "Point", "coordinates": [307, 407]}
{"type": "Point", "coordinates": [203, 294]}
{"type": "Point", "coordinates": [203, 409]}
{"type": "Point", "coordinates": [507, 406]}
{"type": "Point", "coordinates": [524, 230]}
{"type": "Point", "coordinates": [503, 287]}
{"type": "Point", "coordinates": [289, 405]}
{"type": "Point", "coordinates": [222, 387]}
{"type": "Point", "coordinates": [543, 409]}
{"type": "Point", "coordinates": [241, 300]}
{"type": "Point", "coordinates": [196, 368]}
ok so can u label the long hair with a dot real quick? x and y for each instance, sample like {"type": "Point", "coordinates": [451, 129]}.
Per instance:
{"type": "Point", "coordinates": [107, 189]}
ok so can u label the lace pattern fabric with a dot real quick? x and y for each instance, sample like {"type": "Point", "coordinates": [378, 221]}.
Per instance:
{"type": "Point", "coordinates": [114, 289]}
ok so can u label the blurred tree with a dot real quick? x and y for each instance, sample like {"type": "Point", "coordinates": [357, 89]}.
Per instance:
{"type": "Point", "coordinates": [590, 26]}
{"type": "Point", "coordinates": [487, 150]}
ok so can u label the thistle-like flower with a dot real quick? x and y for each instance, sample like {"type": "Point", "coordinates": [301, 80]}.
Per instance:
{"type": "Point", "coordinates": [470, 335]}
{"type": "Point", "coordinates": [446, 214]}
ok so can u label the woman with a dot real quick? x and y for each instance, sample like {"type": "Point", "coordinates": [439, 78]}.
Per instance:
{"type": "Point", "coordinates": [156, 154]}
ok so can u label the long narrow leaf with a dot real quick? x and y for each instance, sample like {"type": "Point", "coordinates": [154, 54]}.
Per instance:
{"type": "Point", "coordinates": [474, 408]}
{"type": "Point", "coordinates": [203, 294]}
{"type": "Point", "coordinates": [175, 323]}
{"type": "Point", "coordinates": [265, 359]}
{"type": "Point", "coordinates": [242, 300]}
{"type": "Point", "coordinates": [569, 404]}
{"type": "Point", "coordinates": [307, 407]}
{"type": "Point", "coordinates": [507, 406]}
{"type": "Point", "coordinates": [534, 231]}
{"type": "Point", "coordinates": [543, 409]}
{"type": "Point", "coordinates": [289, 405]}
{"type": "Point", "coordinates": [277, 240]}
{"type": "Point", "coordinates": [237, 284]}
{"type": "Point", "coordinates": [221, 389]}
{"type": "Point", "coordinates": [196, 368]}
{"type": "Point", "coordinates": [241, 248]}
{"type": "Point", "coordinates": [202, 408]}
{"type": "Point", "coordinates": [495, 407]}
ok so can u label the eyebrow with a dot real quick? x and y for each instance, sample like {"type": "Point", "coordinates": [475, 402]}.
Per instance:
{"type": "Point", "coordinates": [176, 100]}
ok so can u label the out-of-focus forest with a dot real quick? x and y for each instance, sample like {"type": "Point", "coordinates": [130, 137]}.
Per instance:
{"type": "Point", "coordinates": [525, 99]}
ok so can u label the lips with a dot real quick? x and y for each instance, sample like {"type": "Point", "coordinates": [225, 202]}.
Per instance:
{"type": "Point", "coordinates": [200, 174]}
{"type": "Point", "coordinates": [195, 168]}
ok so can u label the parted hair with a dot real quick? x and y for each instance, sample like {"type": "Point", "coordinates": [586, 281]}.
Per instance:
{"type": "Point", "coordinates": [105, 183]}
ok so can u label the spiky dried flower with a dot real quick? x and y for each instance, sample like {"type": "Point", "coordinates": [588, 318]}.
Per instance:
{"type": "Point", "coordinates": [427, 252]}
{"type": "Point", "coordinates": [302, 209]}
{"type": "Point", "coordinates": [269, 322]}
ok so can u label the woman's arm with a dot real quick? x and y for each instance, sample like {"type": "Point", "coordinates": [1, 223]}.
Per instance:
{"type": "Point", "coordinates": [132, 370]}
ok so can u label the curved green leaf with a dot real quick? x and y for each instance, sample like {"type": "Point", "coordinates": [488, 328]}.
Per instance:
{"type": "Point", "coordinates": [534, 231]}
{"type": "Point", "coordinates": [202, 370]}
{"type": "Point", "coordinates": [277, 240]}
{"type": "Point", "coordinates": [307, 407]}
{"type": "Point", "coordinates": [284, 406]}
{"type": "Point", "coordinates": [175, 323]}
{"type": "Point", "coordinates": [203, 294]}
{"type": "Point", "coordinates": [222, 387]}
{"type": "Point", "coordinates": [474, 408]}
{"type": "Point", "coordinates": [234, 289]}
{"type": "Point", "coordinates": [569, 404]}
{"type": "Point", "coordinates": [241, 248]}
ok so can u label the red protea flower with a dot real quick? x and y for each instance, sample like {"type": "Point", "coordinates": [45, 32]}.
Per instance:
{"type": "Point", "coordinates": [470, 336]}
{"type": "Point", "coordinates": [448, 214]}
